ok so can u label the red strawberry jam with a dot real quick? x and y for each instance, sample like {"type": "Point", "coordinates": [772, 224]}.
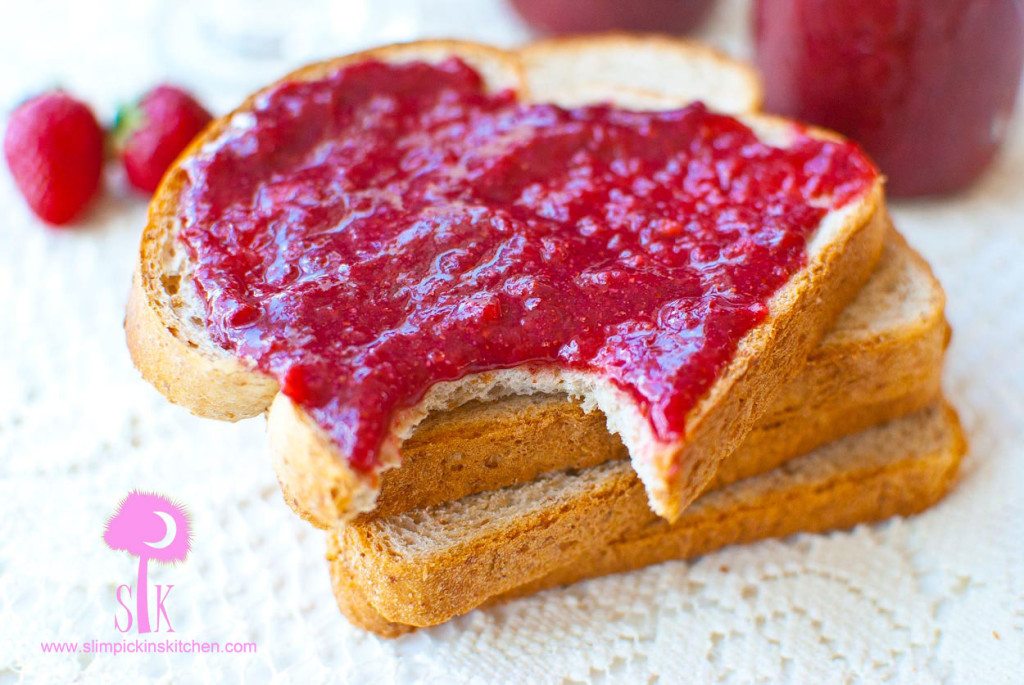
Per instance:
{"type": "Point", "coordinates": [364, 236]}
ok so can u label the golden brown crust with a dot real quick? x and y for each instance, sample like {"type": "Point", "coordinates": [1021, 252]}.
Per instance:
{"type": "Point", "coordinates": [192, 371]}
{"type": "Point", "coordinates": [840, 498]}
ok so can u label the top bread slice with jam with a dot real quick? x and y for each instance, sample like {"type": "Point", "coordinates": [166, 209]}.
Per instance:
{"type": "Point", "coordinates": [321, 273]}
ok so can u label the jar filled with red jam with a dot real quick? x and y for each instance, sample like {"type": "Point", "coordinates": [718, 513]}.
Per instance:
{"type": "Point", "coordinates": [927, 87]}
{"type": "Point", "coordinates": [586, 16]}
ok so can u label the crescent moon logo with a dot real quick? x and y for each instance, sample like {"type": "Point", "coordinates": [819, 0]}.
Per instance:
{"type": "Point", "coordinates": [171, 527]}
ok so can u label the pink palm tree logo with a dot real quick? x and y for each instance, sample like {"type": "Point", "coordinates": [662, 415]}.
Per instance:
{"type": "Point", "coordinates": [148, 526]}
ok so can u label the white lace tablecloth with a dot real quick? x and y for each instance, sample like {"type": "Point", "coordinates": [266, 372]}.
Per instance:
{"type": "Point", "coordinates": [939, 598]}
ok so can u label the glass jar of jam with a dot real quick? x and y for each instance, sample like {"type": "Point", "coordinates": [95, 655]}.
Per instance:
{"type": "Point", "coordinates": [927, 87]}
{"type": "Point", "coordinates": [573, 16]}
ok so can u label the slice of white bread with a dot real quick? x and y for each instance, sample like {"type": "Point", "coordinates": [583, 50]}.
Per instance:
{"type": "Point", "coordinates": [887, 344]}
{"type": "Point", "coordinates": [165, 323]}
{"type": "Point", "coordinates": [898, 468]}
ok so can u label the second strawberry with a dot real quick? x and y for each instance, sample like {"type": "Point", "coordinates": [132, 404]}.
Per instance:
{"type": "Point", "coordinates": [150, 134]}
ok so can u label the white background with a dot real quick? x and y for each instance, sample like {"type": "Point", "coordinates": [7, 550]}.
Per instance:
{"type": "Point", "coordinates": [939, 598]}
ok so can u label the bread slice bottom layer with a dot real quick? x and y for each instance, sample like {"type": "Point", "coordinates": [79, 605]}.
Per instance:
{"type": "Point", "coordinates": [898, 468]}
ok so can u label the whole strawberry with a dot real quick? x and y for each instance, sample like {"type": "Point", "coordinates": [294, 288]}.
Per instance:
{"type": "Point", "coordinates": [54, 148]}
{"type": "Point", "coordinates": [150, 134]}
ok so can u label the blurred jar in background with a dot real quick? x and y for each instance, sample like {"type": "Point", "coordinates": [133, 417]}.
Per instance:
{"type": "Point", "coordinates": [583, 16]}
{"type": "Point", "coordinates": [926, 86]}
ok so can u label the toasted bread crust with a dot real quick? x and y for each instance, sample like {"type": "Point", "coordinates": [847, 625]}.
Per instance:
{"type": "Point", "coordinates": [172, 352]}
{"type": "Point", "coordinates": [748, 511]}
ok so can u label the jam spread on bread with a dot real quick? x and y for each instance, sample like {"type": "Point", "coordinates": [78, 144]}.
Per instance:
{"type": "Point", "coordinates": [367, 234]}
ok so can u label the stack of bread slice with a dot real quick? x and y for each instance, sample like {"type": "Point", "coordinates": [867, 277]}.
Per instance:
{"type": "Point", "coordinates": [831, 414]}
